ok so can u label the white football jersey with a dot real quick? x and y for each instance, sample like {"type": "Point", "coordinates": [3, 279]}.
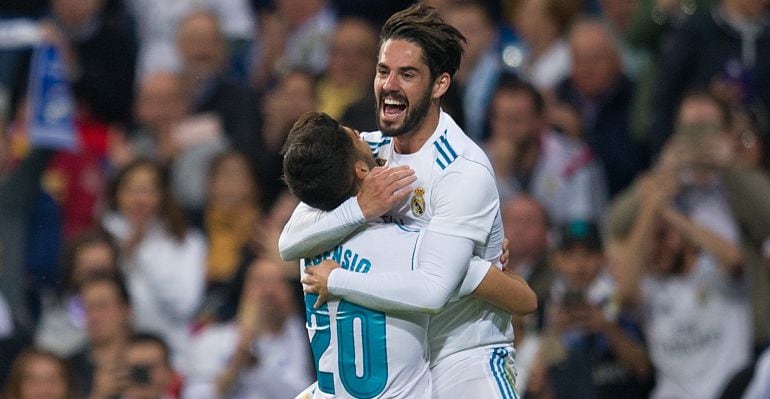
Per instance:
{"type": "Point", "coordinates": [363, 353]}
{"type": "Point", "coordinates": [467, 323]}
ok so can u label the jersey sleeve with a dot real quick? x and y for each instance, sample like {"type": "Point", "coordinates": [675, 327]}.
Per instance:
{"type": "Point", "coordinates": [477, 269]}
{"type": "Point", "coordinates": [465, 202]}
{"type": "Point", "coordinates": [443, 263]}
{"type": "Point", "coordinates": [310, 231]}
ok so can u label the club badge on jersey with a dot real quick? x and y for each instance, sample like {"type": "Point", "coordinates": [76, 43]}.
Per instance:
{"type": "Point", "coordinates": [418, 202]}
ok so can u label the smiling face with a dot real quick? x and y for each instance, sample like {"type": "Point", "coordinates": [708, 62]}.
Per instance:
{"type": "Point", "coordinates": [402, 88]}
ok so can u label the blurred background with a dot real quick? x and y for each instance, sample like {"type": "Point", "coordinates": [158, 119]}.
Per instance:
{"type": "Point", "coordinates": [141, 195]}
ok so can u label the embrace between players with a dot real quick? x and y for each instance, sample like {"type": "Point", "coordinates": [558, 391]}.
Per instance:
{"type": "Point", "coordinates": [404, 295]}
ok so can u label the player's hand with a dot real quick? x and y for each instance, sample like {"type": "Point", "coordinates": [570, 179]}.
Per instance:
{"type": "Point", "coordinates": [383, 188]}
{"type": "Point", "coordinates": [316, 279]}
{"type": "Point", "coordinates": [506, 254]}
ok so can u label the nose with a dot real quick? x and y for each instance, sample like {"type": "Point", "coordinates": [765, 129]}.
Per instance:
{"type": "Point", "coordinates": [390, 83]}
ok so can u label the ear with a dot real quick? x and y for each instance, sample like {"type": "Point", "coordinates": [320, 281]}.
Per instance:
{"type": "Point", "coordinates": [362, 169]}
{"type": "Point", "coordinates": [441, 85]}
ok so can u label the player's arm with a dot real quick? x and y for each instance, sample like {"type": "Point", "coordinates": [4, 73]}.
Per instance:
{"type": "Point", "coordinates": [310, 231]}
{"type": "Point", "coordinates": [507, 291]}
{"type": "Point", "coordinates": [459, 221]}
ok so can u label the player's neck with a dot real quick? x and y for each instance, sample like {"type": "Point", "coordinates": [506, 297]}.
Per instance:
{"type": "Point", "coordinates": [411, 142]}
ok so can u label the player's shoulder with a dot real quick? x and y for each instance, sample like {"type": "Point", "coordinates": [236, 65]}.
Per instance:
{"type": "Point", "coordinates": [376, 140]}
{"type": "Point", "coordinates": [454, 148]}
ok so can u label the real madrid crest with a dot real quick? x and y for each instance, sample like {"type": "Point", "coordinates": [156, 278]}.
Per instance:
{"type": "Point", "coordinates": [418, 202]}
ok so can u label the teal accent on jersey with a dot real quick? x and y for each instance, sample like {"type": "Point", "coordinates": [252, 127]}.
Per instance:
{"type": "Point", "coordinates": [448, 154]}
{"type": "Point", "coordinates": [401, 226]}
{"type": "Point", "coordinates": [318, 320]}
{"type": "Point", "coordinates": [375, 145]}
{"type": "Point", "coordinates": [502, 378]}
{"type": "Point", "coordinates": [374, 354]}
{"type": "Point", "coordinates": [348, 259]}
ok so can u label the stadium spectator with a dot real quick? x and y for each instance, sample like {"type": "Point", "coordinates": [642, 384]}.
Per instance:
{"type": "Point", "coordinates": [713, 190]}
{"type": "Point", "coordinates": [61, 328]}
{"type": "Point", "coordinates": [168, 133]}
{"type": "Point", "coordinates": [602, 94]}
{"type": "Point", "coordinates": [732, 62]}
{"type": "Point", "coordinates": [98, 369]}
{"type": "Point", "coordinates": [603, 346]}
{"type": "Point", "coordinates": [530, 156]}
{"type": "Point", "coordinates": [228, 105]}
{"type": "Point", "coordinates": [37, 374]}
{"type": "Point", "coordinates": [543, 27]}
{"type": "Point", "coordinates": [481, 66]}
{"type": "Point", "coordinates": [152, 377]}
{"type": "Point", "coordinates": [348, 77]}
{"type": "Point", "coordinates": [262, 353]}
{"type": "Point", "coordinates": [157, 248]}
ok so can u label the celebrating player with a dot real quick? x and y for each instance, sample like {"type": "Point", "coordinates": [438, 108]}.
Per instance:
{"type": "Point", "coordinates": [454, 201]}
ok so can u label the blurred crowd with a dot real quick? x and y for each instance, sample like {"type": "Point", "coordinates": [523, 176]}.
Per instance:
{"type": "Point", "coordinates": [629, 139]}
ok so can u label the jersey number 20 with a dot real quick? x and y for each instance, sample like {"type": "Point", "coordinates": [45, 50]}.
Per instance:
{"type": "Point", "coordinates": [354, 323]}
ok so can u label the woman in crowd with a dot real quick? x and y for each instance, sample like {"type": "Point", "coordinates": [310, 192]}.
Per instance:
{"type": "Point", "coordinates": [162, 259]}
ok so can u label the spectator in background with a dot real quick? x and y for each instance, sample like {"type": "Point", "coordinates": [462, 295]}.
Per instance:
{"type": "Point", "coordinates": [262, 353]}
{"type": "Point", "coordinates": [688, 282]}
{"type": "Point", "coordinates": [157, 248]}
{"type": "Point", "coordinates": [230, 106]}
{"type": "Point", "coordinates": [152, 376]}
{"type": "Point", "coordinates": [296, 34]}
{"type": "Point", "coordinates": [293, 95]}
{"type": "Point", "coordinates": [527, 225]}
{"type": "Point", "coordinates": [156, 24]}
{"type": "Point", "coordinates": [543, 25]}
{"type": "Point", "coordinates": [18, 187]}
{"type": "Point", "coordinates": [348, 77]}
{"type": "Point", "coordinates": [230, 222]}
{"type": "Point", "coordinates": [529, 156]}
{"type": "Point", "coordinates": [99, 369]}
{"type": "Point", "coordinates": [481, 65]}
{"type": "Point", "coordinates": [602, 94]}
{"type": "Point", "coordinates": [724, 49]}
{"type": "Point", "coordinates": [61, 328]}
{"type": "Point", "coordinates": [104, 52]}
{"type": "Point", "coordinates": [37, 374]}
{"type": "Point", "coordinates": [618, 14]}
{"type": "Point", "coordinates": [603, 351]}
{"type": "Point", "coordinates": [170, 134]}
{"type": "Point", "coordinates": [714, 190]}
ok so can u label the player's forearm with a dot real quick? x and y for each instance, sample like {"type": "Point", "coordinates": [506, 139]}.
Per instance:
{"type": "Point", "coordinates": [443, 262]}
{"type": "Point", "coordinates": [507, 291]}
{"type": "Point", "coordinates": [310, 231]}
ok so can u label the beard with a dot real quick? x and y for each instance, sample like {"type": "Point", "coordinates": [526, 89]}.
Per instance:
{"type": "Point", "coordinates": [414, 116]}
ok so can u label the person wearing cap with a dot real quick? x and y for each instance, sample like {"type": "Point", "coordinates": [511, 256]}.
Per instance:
{"type": "Point", "coordinates": [591, 347]}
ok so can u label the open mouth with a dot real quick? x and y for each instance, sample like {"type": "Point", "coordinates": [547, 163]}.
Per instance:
{"type": "Point", "coordinates": [392, 108]}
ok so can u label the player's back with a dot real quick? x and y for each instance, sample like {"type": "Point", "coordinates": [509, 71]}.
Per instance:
{"type": "Point", "coordinates": [363, 353]}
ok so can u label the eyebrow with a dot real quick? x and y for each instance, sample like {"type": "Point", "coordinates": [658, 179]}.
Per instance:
{"type": "Point", "coordinates": [400, 69]}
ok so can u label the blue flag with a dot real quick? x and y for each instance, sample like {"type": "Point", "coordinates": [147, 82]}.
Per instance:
{"type": "Point", "coordinates": [51, 104]}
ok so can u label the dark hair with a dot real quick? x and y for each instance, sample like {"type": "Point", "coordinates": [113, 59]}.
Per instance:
{"type": "Point", "coordinates": [15, 376]}
{"type": "Point", "coordinates": [115, 279]}
{"type": "Point", "coordinates": [441, 43]}
{"type": "Point", "coordinates": [93, 236]}
{"type": "Point", "coordinates": [318, 159]}
{"type": "Point", "coordinates": [169, 211]}
{"type": "Point", "coordinates": [514, 84]}
{"type": "Point", "coordinates": [143, 337]}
